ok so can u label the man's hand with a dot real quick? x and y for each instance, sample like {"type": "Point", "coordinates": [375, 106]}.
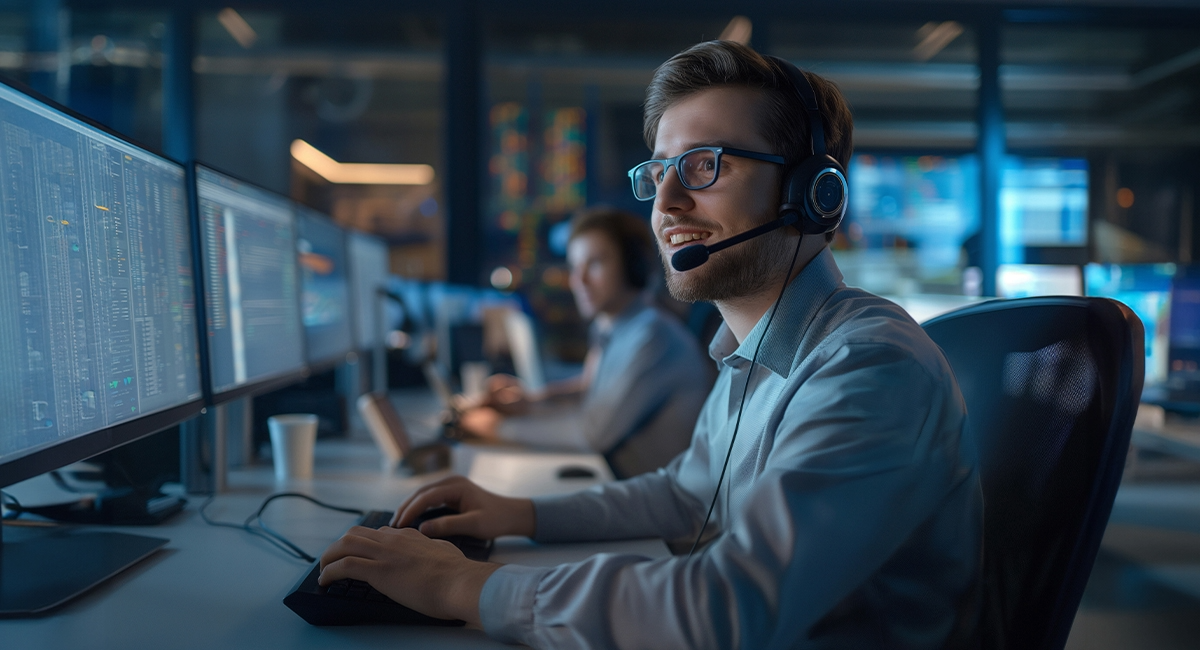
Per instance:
{"type": "Point", "coordinates": [506, 394]}
{"type": "Point", "coordinates": [480, 513]}
{"type": "Point", "coordinates": [482, 421]}
{"type": "Point", "coordinates": [430, 576]}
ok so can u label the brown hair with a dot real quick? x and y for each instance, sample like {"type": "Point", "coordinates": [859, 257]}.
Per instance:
{"type": "Point", "coordinates": [629, 232]}
{"type": "Point", "coordinates": [782, 119]}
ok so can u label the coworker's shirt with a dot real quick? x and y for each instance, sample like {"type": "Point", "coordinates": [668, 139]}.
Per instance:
{"type": "Point", "coordinates": [641, 406]}
{"type": "Point", "coordinates": [851, 515]}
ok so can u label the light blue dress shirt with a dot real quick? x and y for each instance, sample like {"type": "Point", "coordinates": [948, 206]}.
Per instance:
{"type": "Point", "coordinates": [640, 408]}
{"type": "Point", "coordinates": [851, 516]}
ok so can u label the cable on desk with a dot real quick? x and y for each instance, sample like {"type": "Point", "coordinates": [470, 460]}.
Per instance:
{"type": "Point", "coordinates": [265, 532]}
{"type": "Point", "coordinates": [14, 506]}
{"type": "Point", "coordinates": [15, 510]}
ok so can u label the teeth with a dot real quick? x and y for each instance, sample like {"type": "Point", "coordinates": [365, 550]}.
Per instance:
{"type": "Point", "coordinates": [687, 237]}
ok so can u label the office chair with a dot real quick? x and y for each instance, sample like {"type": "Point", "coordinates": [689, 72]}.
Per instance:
{"type": "Point", "coordinates": [1052, 387]}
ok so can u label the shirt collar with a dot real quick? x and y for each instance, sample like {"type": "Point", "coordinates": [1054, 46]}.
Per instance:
{"type": "Point", "coordinates": [801, 301]}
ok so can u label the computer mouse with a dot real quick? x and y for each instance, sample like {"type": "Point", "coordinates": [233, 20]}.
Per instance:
{"type": "Point", "coordinates": [432, 513]}
{"type": "Point", "coordinates": [576, 471]}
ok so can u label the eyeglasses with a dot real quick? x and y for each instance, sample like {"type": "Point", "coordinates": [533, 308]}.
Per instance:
{"type": "Point", "coordinates": [697, 169]}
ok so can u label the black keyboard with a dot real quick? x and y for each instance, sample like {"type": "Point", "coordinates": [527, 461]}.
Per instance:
{"type": "Point", "coordinates": [354, 602]}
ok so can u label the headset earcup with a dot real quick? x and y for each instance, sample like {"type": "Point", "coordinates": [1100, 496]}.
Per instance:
{"type": "Point", "coordinates": [828, 193]}
{"type": "Point", "coordinates": [820, 208]}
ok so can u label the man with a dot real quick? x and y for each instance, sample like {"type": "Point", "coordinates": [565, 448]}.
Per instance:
{"type": "Point", "coordinates": [851, 513]}
{"type": "Point", "coordinates": [644, 380]}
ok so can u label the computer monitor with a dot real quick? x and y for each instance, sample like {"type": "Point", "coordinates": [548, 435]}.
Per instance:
{"type": "Point", "coordinates": [927, 203]}
{"type": "Point", "coordinates": [1146, 289]}
{"type": "Point", "coordinates": [255, 335]}
{"type": "Point", "coordinates": [368, 274]}
{"type": "Point", "coordinates": [325, 288]}
{"type": "Point", "coordinates": [1043, 202]}
{"type": "Point", "coordinates": [1184, 362]}
{"type": "Point", "coordinates": [1024, 280]}
{"type": "Point", "coordinates": [98, 328]}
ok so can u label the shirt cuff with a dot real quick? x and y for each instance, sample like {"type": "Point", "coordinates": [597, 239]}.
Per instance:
{"type": "Point", "coordinates": [506, 602]}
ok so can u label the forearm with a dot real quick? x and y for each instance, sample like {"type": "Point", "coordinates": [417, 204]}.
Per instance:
{"type": "Point", "coordinates": [650, 505]}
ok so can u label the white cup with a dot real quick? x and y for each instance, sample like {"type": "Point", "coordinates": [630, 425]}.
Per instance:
{"type": "Point", "coordinates": [292, 440]}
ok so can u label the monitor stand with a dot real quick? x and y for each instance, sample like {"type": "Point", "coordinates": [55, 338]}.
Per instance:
{"type": "Point", "coordinates": [40, 571]}
{"type": "Point", "coordinates": [114, 506]}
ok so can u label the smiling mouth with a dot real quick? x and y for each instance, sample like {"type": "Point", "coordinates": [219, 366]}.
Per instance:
{"type": "Point", "coordinates": [687, 237]}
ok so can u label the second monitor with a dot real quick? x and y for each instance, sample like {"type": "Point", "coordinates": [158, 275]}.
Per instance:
{"type": "Point", "coordinates": [325, 288]}
{"type": "Point", "coordinates": [251, 285]}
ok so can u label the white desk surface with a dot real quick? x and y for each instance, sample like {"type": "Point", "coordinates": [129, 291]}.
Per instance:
{"type": "Point", "coordinates": [223, 588]}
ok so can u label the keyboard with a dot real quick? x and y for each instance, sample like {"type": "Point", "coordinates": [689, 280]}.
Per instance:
{"type": "Point", "coordinates": [354, 602]}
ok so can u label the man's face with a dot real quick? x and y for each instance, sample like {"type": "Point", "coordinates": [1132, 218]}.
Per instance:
{"type": "Point", "coordinates": [597, 279]}
{"type": "Point", "coordinates": [745, 195]}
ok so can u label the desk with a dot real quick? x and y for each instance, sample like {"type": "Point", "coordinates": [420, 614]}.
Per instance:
{"type": "Point", "coordinates": [221, 588]}
{"type": "Point", "coordinates": [1182, 440]}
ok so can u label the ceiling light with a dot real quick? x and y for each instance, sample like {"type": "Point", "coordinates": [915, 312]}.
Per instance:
{"type": "Point", "coordinates": [359, 173]}
{"type": "Point", "coordinates": [934, 38]}
{"type": "Point", "coordinates": [238, 28]}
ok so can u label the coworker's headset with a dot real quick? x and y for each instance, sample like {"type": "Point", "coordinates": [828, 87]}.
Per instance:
{"type": "Point", "coordinates": [814, 190]}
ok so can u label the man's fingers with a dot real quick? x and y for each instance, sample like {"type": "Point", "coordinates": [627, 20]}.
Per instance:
{"type": "Point", "coordinates": [467, 523]}
{"type": "Point", "coordinates": [448, 495]}
{"type": "Point", "coordinates": [420, 503]}
{"type": "Point", "coordinates": [358, 542]}
{"type": "Point", "coordinates": [415, 495]}
{"type": "Point", "coordinates": [421, 495]}
{"type": "Point", "coordinates": [352, 567]}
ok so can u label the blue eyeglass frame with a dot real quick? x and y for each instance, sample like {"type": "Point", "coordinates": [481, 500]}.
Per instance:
{"type": "Point", "coordinates": [668, 163]}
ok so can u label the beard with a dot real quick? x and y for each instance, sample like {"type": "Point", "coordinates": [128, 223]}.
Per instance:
{"type": "Point", "coordinates": [739, 271]}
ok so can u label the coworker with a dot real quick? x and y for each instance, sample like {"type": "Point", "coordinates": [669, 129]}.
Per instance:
{"type": "Point", "coordinates": [851, 513]}
{"type": "Point", "coordinates": [645, 378]}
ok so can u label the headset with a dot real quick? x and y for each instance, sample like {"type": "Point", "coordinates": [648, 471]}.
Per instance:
{"type": "Point", "coordinates": [815, 190]}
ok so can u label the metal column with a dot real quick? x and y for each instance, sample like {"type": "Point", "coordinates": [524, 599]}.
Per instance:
{"type": "Point", "coordinates": [463, 113]}
{"type": "Point", "coordinates": [991, 146]}
{"type": "Point", "coordinates": [179, 111]}
{"type": "Point", "coordinates": [50, 49]}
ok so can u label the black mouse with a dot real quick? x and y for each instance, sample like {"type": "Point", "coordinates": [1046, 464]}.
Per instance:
{"type": "Point", "coordinates": [432, 513]}
{"type": "Point", "coordinates": [576, 471]}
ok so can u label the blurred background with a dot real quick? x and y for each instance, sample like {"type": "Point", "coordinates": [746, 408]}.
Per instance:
{"type": "Point", "coordinates": [1001, 149]}
{"type": "Point", "coordinates": [987, 134]}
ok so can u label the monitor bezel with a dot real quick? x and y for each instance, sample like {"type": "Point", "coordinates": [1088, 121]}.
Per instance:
{"type": "Point", "coordinates": [263, 384]}
{"type": "Point", "coordinates": [333, 360]}
{"type": "Point", "coordinates": [86, 445]}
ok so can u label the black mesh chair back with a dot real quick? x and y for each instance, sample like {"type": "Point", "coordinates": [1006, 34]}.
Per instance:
{"type": "Point", "coordinates": [1052, 387]}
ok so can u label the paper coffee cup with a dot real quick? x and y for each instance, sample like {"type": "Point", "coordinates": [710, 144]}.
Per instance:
{"type": "Point", "coordinates": [292, 439]}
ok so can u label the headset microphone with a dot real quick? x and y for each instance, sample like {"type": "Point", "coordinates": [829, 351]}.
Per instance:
{"type": "Point", "coordinates": [689, 258]}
